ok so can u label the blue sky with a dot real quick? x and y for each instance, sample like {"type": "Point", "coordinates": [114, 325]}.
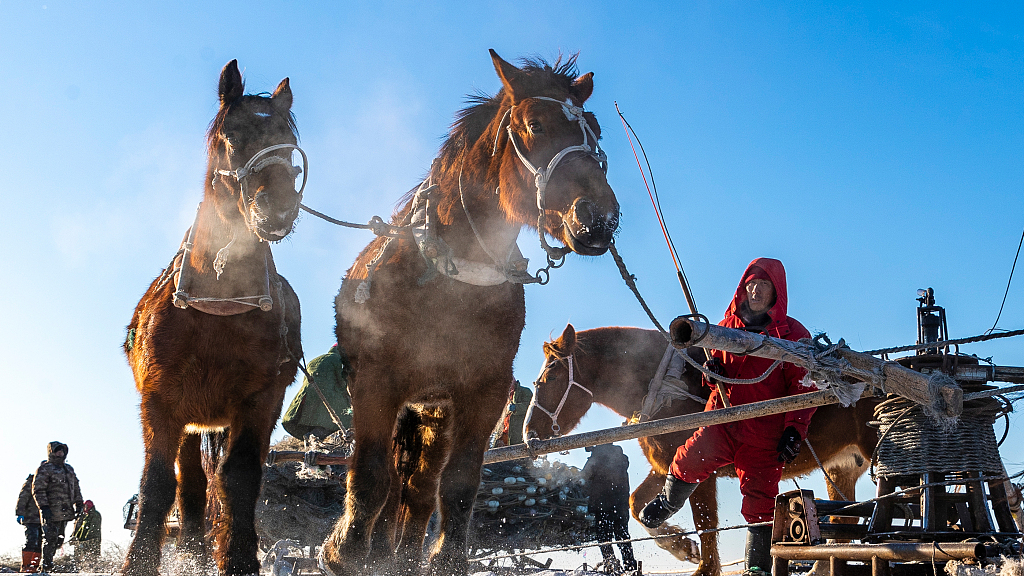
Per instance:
{"type": "Point", "coordinates": [873, 148]}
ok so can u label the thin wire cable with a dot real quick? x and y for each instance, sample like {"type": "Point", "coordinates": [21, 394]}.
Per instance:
{"type": "Point", "coordinates": [1010, 279]}
{"type": "Point", "coordinates": [657, 205]}
{"type": "Point", "coordinates": [655, 199]}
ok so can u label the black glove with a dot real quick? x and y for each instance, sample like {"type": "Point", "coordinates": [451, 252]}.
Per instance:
{"type": "Point", "coordinates": [715, 366]}
{"type": "Point", "coordinates": [44, 512]}
{"type": "Point", "coordinates": [789, 445]}
{"type": "Point", "coordinates": [79, 506]}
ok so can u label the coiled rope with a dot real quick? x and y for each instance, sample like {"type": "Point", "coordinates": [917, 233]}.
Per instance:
{"type": "Point", "coordinates": [922, 444]}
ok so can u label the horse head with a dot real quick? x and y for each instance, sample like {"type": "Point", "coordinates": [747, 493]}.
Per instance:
{"type": "Point", "coordinates": [251, 177]}
{"type": "Point", "coordinates": [550, 166]}
{"type": "Point", "coordinates": [560, 400]}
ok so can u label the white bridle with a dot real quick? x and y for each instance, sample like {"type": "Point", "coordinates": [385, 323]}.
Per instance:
{"type": "Point", "coordinates": [554, 415]}
{"type": "Point", "coordinates": [541, 175]}
{"type": "Point", "coordinates": [261, 160]}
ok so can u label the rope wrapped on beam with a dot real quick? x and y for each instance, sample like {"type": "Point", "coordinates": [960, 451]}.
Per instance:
{"type": "Point", "coordinates": [911, 442]}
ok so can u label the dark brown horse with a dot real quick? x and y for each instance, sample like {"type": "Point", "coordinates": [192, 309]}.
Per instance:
{"type": "Point", "coordinates": [432, 319]}
{"type": "Point", "coordinates": [613, 367]}
{"type": "Point", "coordinates": [214, 342]}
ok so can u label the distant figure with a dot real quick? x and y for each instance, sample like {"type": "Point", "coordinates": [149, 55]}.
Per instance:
{"type": "Point", "coordinates": [28, 516]}
{"type": "Point", "coordinates": [87, 538]}
{"type": "Point", "coordinates": [55, 489]}
{"type": "Point", "coordinates": [607, 476]}
{"type": "Point", "coordinates": [307, 414]}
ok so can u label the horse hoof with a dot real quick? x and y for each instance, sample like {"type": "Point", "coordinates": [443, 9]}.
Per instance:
{"type": "Point", "coordinates": [325, 567]}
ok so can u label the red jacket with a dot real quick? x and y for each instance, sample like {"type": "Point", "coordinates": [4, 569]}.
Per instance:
{"type": "Point", "coordinates": [784, 381]}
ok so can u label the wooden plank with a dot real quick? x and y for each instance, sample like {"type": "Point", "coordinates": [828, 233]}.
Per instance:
{"type": "Point", "coordinates": [945, 398]}
{"type": "Point", "coordinates": [662, 426]}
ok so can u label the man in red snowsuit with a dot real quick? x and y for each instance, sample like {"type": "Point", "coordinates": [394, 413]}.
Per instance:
{"type": "Point", "coordinates": [757, 447]}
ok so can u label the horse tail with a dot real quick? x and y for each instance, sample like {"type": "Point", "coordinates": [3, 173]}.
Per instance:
{"type": "Point", "coordinates": [408, 444]}
{"type": "Point", "coordinates": [212, 448]}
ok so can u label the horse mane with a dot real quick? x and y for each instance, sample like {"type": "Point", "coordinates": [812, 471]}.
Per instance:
{"type": "Point", "coordinates": [260, 103]}
{"type": "Point", "coordinates": [472, 121]}
{"type": "Point", "coordinates": [470, 125]}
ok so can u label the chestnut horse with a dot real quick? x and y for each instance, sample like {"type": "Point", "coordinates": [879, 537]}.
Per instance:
{"type": "Point", "coordinates": [431, 318]}
{"type": "Point", "coordinates": [613, 367]}
{"type": "Point", "coordinates": [214, 341]}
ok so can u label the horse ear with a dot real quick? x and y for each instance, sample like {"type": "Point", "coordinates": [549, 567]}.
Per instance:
{"type": "Point", "coordinates": [567, 341]}
{"type": "Point", "coordinates": [282, 97]}
{"type": "Point", "coordinates": [511, 77]}
{"type": "Point", "coordinates": [231, 85]}
{"type": "Point", "coordinates": [583, 87]}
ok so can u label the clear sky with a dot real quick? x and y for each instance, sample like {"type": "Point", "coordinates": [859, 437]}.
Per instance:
{"type": "Point", "coordinates": [874, 148]}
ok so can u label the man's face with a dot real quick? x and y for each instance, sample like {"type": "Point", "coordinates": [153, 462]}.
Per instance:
{"type": "Point", "coordinates": [760, 295]}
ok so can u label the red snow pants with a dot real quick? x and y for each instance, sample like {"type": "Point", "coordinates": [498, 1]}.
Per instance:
{"type": "Point", "coordinates": [758, 467]}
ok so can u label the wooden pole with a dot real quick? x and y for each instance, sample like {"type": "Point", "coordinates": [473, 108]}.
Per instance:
{"type": "Point", "coordinates": [945, 397]}
{"type": "Point", "coordinates": [891, 551]}
{"type": "Point", "coordinates": [662, 426]}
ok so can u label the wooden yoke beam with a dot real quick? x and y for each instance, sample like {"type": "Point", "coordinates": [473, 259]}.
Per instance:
{"type": "Point", "coordinates": [535, 447]}
{"type": "Point", "coordinates": [945, 397]}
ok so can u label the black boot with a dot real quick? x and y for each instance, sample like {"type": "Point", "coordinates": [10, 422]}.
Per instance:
{"type": "Point", "coordinates": [759, 551]}
{"type": "Point", "coordinates": [667, 503]}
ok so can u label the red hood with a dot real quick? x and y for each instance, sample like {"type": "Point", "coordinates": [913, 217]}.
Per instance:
{"type": "Point", "coordinates": [777, 274]}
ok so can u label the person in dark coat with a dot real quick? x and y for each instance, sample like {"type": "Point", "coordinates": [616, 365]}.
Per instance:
{"type": "Point", "coordinates": [607, 479]}
{"type": "Point", "coordinates": [307, 413]}
{"type": "Point", "coordinates": [758, 447]}
{"type": "Point", "coordinates": [59, 498]}
{"type": "Point", "coordinates": [28, 516]}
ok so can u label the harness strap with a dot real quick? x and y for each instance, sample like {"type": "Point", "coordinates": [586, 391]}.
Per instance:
{"type": "Point", "coordinates": [182, 299]}
{"type": "Point", "coordinates": [542, 175]}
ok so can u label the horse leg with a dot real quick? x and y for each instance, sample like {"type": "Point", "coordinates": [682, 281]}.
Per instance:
{"type": "Point", "coordinates": [421, 489]}
{"type": "Point", "coordinates": [345, 551]}
{"type": "Point", "coordinates": [386, 531]}
{"type": "Point", "coordinates": [238, 485]}
{"type": "Point", "coordinates": [683, 548]}
{"type": "Point", "coordinates": [460, 481]}
{"type": "Point", "coordinates": [192, 484]}
{"type": "Point", "coordinates": [156, 491]}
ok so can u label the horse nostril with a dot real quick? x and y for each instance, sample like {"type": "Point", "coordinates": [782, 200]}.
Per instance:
{"type": "Point", "coordinates": [262, 201]}
{"type": "Point", "coordinates": [583, 212]}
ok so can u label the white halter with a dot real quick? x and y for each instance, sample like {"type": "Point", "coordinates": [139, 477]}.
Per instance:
{"type": "Point", "coordinates": [541, 176]}
{"type": "Point", "coordinates": [554, 415]}
{"type": "Point", "coordinates": [252, 167]}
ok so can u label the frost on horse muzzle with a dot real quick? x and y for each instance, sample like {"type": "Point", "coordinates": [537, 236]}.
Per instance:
{"type": "Point", "coordinates": [260, 217]}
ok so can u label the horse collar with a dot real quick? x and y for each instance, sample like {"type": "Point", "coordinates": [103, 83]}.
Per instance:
{"type": "Point", "coordinates": [507, 262]}
{"type": "Point", "coordinates": [186, 281]}
{"type": "Point", "coordinates": [572, 382]}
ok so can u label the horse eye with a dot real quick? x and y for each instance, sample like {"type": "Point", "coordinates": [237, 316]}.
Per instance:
{"type": "Point", "coordinates": [535, 127]}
